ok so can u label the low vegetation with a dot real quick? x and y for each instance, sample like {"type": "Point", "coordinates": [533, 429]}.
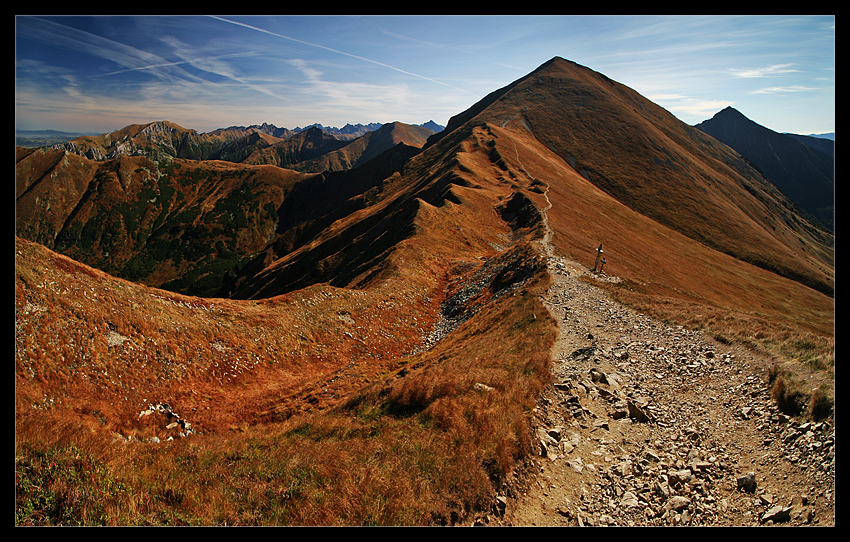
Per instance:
{"type": "Point", "coordinates": [426, 442]}
{"type": "Point", "coordinates": [325, 399]}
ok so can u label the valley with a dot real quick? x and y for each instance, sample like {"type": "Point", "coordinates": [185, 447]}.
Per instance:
{"type": "Point", "coordinates": [407, 329]}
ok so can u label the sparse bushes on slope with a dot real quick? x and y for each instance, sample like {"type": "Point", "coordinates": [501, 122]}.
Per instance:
{"type": "Point", "coordinates": [792, 399]}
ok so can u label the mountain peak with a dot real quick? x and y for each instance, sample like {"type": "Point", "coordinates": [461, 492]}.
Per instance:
{"type": "Point", "coordinates": [802, 169]}
{"type": "Point", "coordinates": [730, 112]}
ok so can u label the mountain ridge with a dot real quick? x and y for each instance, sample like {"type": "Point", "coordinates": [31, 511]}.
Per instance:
{"type": "Point", "coordinates": [665, 148]}
{"type": "Point", "coordinates": [186, 143]}
{"type": "Point", "coordinates": [625, 166]}
{"type": "Point", "coordinates": [373, 346]}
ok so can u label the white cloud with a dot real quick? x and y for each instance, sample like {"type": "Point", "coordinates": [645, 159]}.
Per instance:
{"type": "Point", "coordinates": [399, 70]}
{"type": "Point", "coordinates": [768, 71]}
{"type": "Point", "coordinates": [782, 90]}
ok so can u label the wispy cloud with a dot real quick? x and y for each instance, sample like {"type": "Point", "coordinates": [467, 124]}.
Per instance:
{"type": "Point", "coordinates": [130, 58]}
{"type": "Point", "coordinates": [782, 90]}
{"type": "Point", "coordinates": [344, 53]}
{"type": "Point", "coordinates": [350, 96]}
{"type": "Point", "coordinates": [769, 71]}
{"type": "Point", "coordinates": [65, 37]}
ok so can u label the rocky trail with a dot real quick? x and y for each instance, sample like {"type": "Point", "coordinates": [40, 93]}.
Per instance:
{"type": "Point", "coordinates": [648, 424]}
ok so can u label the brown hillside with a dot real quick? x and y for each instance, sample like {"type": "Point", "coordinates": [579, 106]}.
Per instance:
{"type": "Point", "coordinates": [307, 145]}
{"type": "Point", "coordinates": [156, 140]}
{"type": "Point", "coordinates": [184, 223]}
{"type": "Point", "coordinates": [367, 147]}
{"type": "Point", "coordinates": [662, 168]}
{"type": "Point", "coordinates": [314, 151]}
{"type": "Point", "coordinates": [647, 252]}
{"type": "Point", "coordinates": [243, 147]}
{"type": "Point", "coordinates": [381, 355]}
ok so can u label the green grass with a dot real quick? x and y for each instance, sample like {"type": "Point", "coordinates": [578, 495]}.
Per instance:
{"type": "Point", "coordinates": [62, 485]}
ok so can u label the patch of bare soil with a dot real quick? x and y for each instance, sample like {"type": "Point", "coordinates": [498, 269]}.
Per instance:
{"type": "Point", "coordinates": [648, 424]}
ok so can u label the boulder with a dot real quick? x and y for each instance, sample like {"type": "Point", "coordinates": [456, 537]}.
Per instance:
{"type": "Point", "coordinates": [747, 482]}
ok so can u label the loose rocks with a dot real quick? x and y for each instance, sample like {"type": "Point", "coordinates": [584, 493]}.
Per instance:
{"type": "Point", "coordinates": [649, 424]}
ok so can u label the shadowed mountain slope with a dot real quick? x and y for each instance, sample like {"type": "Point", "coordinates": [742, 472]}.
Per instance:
{"type": "Point", "coordinates": [240, 149]}
{"type": "Point", "coordinates": [181, 223]}
{"type": "Point", "coordinates": [801, 167]}
{"type": "Point", "coordinates": [307, 145]}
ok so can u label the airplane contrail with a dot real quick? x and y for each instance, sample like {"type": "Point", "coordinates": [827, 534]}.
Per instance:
{"type": "Point", "coordinates": [342, 53]}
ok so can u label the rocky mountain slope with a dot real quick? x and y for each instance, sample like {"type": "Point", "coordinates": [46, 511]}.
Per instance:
{"type": "Point", "coordinates": [388, 330]}
{"type": "Point", "coordinates": [315, 151]}
{"type": "Point", "coordinates": [163, 139]}
{"type": "Point", "coordinates": [632, 149]}
{"type": "Point", "coordinates": [802, 167]}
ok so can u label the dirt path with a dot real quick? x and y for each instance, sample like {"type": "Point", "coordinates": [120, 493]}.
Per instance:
{"type": "Point", "coordinates": [649, 424]}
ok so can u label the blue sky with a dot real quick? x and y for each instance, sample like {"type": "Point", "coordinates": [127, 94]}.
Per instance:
{"type": "Point", "coordinates": [99, 74]}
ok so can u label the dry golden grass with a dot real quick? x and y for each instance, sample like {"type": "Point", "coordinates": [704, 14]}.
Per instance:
{"type": "Point", "coordinates": [314, 407]}
{"type": "Point", "coordinates": [423, 449]}
{"type": "Point", "coordinates": [258, 377]}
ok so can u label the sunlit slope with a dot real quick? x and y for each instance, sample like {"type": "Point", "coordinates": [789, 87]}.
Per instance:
{"type": "Point", "coordinates": [183, 225]}
{"type": "Point", "coordinates": [656, 264]}
{"type": "Point", "coordinates": [641, 155]}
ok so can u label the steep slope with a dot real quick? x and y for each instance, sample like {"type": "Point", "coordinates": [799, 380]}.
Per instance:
{"type": "Point", "coordinates": [156, 140]}
{"type": "Point", "coordinates": [660, 167]}
{"type": "Point", "coordinates": [383, 359]}
{"type": "Point", "coordinates": [818, 142]}
{"type": "Point", "coordinates": [238, 150]}
{"type": "Point", "coordinates": [803, 172]}
{"type": "Point", "coordinates": [184, 225]}
{"type": "Point", "coordinates": [307, 145]}
{"type": "Point", "coordinates": [347, 132]}
{"type": "Point", "coordinates": [196, 227]}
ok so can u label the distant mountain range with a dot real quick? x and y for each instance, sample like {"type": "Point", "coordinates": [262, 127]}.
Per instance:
{"type": "Point", "coordinates": [802, 167]}
{"type": "Point", "coordinates": [42, 138]}
{"type": "Point", "coordinates": [825, 135]}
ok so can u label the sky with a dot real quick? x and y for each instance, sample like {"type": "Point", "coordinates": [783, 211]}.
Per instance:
{"type": "Point", "coordinates": [97, 74]}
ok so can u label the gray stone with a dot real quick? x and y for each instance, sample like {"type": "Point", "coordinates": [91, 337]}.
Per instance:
{"type": "Point", "coordinates": [678, 477]}
{"type": "Point", "coordinates": [636, 413]}
{"type": "Point", "coordinates": [777, 514]}
{"type": "Point", "coordinates": [501, 505]}
{"type": "Point", "coordinates": [629, 500]}
{"type": "Point", "coordinates": [598, 376]}
{"type": "Point", "coordinates": [576, 464]}
{"type": "Point", "coordinates": [652, 456]}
